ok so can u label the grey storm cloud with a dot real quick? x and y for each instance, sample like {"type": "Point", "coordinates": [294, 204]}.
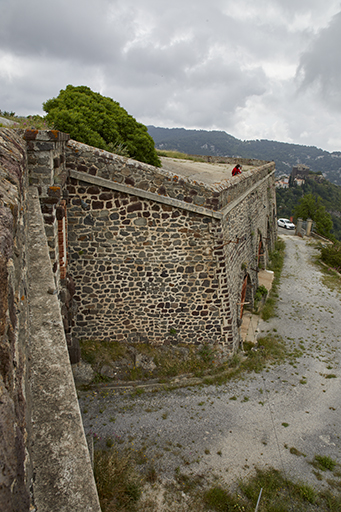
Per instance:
{"type": "Point", "coordinates": [320, 65]}
{"type": "Point", "coordinates": [245, 67]}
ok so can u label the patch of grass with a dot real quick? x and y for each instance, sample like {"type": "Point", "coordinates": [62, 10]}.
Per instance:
{"type": "Point", "coordinates": [318, 475]}
{"type": "Point", "coordinates": [35, 122]}
{"type": "Point", "coordinates": [329, 276]}
{"type": "Point", "coordinates": [97, 352]}
{"type": "Point", "coordinates": [99, 378]}
{"type": "Point", "coordinates": [188, 483]}
{"type": "Point", "coordinates": [269, 349]}
{"type": "Point", "coordinates": [219, 500]}
{"type": "Point", "coordinates": [279, 494]}
{"type": "Point", "coordinates": [331, 255]}
{"type": "Point", "coordinates": [324, 462]}
{"type": "Point", "coordinates": [138, 392]}
{"type": "Point", "coordinates": [151, 474]}
{"type": "Point", "coordinates": [118, 482]}
{"type": "Point", "coordinates": [306, 492]}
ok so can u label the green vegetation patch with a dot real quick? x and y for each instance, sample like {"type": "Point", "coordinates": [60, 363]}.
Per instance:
{"type": "Point", "coordinates": [324, 462]}
{"type": "Point", "coordinates": [122, 473]}
{"type": "Point", "coordinates": [101, 122]}
{"type": "Point", "coordinates": [331, 255]}
{"type": "Point", "coordinates": [170, 361]}
{"type": "Point", "coordinates": [118, 481]}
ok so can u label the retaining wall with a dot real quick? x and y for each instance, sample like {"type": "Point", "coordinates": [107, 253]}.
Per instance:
{"type": "Point", "coordinates": [44, 460]}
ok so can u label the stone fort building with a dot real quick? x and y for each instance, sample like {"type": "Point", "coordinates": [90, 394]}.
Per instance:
{"type": "Point", "coordinates": [98, 246]}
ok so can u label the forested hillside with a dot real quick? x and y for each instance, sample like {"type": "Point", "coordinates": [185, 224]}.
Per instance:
{"type": "Point", "coordinates": [330, 194]}
{"type": "Point", "coordinates": [218, 143]}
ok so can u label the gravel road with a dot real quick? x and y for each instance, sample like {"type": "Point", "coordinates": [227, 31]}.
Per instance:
{"type": "Point", "coordinates": [228, 430]}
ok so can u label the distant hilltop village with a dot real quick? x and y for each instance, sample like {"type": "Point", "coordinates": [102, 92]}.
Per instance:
{"type": "Point", "coordinates": [298, 176]}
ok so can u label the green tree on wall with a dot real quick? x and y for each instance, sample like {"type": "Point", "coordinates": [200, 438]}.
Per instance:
{"type": "Point", "coordinates": [100, 121]}
{"type": "Point", "coordinates": [310, 207]}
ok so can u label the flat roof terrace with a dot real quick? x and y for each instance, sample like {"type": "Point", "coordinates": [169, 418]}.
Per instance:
{"type": "Point", "coordinates": [209, 173]}
{"type": "Point", "coordinates": [206, 185]}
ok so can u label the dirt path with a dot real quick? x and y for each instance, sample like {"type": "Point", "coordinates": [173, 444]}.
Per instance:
{"type": "Point", "coordinates": [230, 429]}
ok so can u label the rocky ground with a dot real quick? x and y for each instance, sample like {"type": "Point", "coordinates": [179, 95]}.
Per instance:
{"type": "Point", "coordinates": [281, 417]}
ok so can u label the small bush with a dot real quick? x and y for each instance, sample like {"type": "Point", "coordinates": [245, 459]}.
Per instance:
{"type": "Point", "coordinates": [331, 255]}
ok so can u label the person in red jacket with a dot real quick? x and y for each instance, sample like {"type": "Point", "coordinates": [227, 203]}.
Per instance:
{"type": "Point", "coordinates": [236, 170]}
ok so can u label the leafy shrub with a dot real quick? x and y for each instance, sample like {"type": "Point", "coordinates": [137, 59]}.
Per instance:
{"type": "Point", "coordinates": [99, 121]}
{"type": "Point", "coordinates": [331, 255]}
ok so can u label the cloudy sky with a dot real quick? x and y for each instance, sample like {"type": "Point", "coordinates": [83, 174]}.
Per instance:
{"type": "Point", "coordinates": [266, 69]}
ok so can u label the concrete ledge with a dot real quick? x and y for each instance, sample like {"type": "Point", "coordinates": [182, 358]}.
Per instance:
{"type": "Point", "coordinates": [62, 475]}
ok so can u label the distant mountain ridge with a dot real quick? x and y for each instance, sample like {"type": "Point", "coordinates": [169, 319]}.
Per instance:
{"type": "Point", "coordinates": [219, 143]}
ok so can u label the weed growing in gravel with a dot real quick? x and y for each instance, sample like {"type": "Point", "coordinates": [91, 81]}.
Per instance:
{"type": "Point", "coordinates": [294, 451]}
{"type": "Point", "coordinates": [324, 462]}
{"type": "Point", "coordinates": [120, 485]}
{"type": "Point", "coordinates": [118, 482]}
{"type": "Point", "coordinates": [330, 279]}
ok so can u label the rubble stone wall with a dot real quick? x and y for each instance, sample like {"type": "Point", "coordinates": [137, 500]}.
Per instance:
{"type": "Point", "coordinates": [34, 372]}
{"type": "Point", "coordinates": [14, 399]}
{"type": "Point", "coordinates": [97, 162]}
{"type": "Point", "coordinates": [149, 269]}
{"type": "Point", "coordinates": [141, 269]}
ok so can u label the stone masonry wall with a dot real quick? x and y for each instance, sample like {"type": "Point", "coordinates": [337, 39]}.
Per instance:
{"type": "Point", "coordinates": [46, 151]}
{"type": "Point", "coordinates": [243, 228]}
{"type": "Point", "coordinates": [97, 162]}
{"type": "Point", "coordinates": [144, 269]}
{"type": "Point", "coordinates": [39, 412]}
{"type": "Point", "coordinates": [15, 466]}
{"type": "Point", "coordinates": [141, 269]}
